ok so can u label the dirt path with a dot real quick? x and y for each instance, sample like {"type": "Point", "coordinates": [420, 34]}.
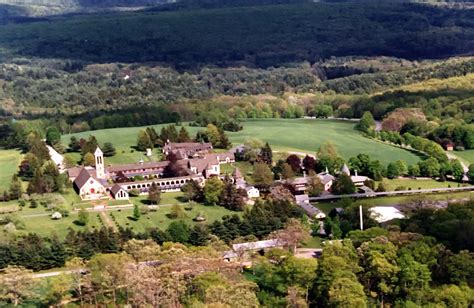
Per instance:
{"type": "Point", "coordinates": [463, 164]}
{"type": "Point", "coordinates": [107, 220]}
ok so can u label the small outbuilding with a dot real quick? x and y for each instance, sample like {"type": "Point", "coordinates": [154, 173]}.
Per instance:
{"type": "Point", "coordinates": [385, 213]}
{"type": "Point", "coordinates": [56, 216]}
{"type": "Point", "coordinates": [252, 192]}
{"type": "Point", "coordinates": [119, 193]}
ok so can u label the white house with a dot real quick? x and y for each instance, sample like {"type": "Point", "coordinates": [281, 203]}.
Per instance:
{"type": "Point", "coordinates": [252, 192]}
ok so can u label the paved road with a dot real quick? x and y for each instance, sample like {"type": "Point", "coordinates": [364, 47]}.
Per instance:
{"type": "Point", "coordinates": [393, 193]}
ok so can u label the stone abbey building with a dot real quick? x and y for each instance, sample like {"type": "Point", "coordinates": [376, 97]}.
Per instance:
{"type": "Point", "coordinates": [194, 161]}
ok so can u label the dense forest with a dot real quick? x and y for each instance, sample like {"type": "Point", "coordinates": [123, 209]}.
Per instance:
{"type": "Point", "coordinates": [261, 36]}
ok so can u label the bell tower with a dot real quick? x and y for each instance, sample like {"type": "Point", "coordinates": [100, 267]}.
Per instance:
{"type": "Point", "coordinates": [99, 163]}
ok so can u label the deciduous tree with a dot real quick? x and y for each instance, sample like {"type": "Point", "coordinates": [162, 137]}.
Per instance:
{"type": "Point", "coordinates": [16, 285]}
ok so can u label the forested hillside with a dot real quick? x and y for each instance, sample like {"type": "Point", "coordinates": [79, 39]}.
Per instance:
{"type": "Point", "coordinates": [15, 10]}
{"type": "Point", "coordinates": [261, 36]}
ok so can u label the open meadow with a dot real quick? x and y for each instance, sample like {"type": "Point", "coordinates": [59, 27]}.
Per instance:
{"type": "Point", "coordinates": [302, 135]}
{"type": "Point", "coordinates": [9, 161]}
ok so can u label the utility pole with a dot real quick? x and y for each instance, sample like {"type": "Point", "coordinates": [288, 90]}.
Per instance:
{"type": "Point", "coordinates": [361, 219]}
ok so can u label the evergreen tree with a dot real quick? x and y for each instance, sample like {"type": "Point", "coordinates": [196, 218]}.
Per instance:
{"type": "Point", "coordinates": [58, 253]}
{"type": "Point", "coordinates": [154, 194]}
{"type": "Point", "coordinates": [16, 189]}
{"type": "Point", "coordinates": [232, 198]}
{"type": "Point", "coordinates": [37, 183]}
{"type": "Point", "coordinates": [183, 135]}
{"type": "Point", "coordinates": [178, 232]}
{"type": "Point", "coordinates": [224, 142]}
{"type": "Point", "coordinates": [108, 149]}
{"type": "Point", "coordinates": [266, 154]}
{"type": "Point", "coordinates": [199, 235]}
{"type": "Point", "coordinates": [155, 139]}
{"type": "Point", "coordinates": [143, 141]}
{"type": "Point", "coordinates": [136, 212]}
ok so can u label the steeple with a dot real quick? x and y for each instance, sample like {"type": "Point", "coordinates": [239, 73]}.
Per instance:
{"type": "Point", "coordinates": [99, 163]}
{"type": "Point", "coordinates": [345, 170]}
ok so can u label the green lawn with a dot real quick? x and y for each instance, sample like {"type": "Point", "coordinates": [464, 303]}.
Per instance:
{"type": "Point", "coordinates": [167, 198]}
{"type": "Point", "coordinates": [158, 219]}
{"type": "Point", "coordinates": [468, 155]}
{"type": "Point", "coordinates": [45, 226]}
{"type": "Point", "coordinates": [303, 135]}
{"type": "Point", "coordinates": [9, 161]}
{"type": "Point", "coordinates": [418, 184]}
{"type": "Point", "coordinates": [308, 134]}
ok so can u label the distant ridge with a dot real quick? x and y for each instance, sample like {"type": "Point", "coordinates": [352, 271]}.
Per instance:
{"type": "Point", "coordinates": [56, 7]}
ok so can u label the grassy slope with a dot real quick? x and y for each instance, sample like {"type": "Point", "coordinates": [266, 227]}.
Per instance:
{"type": "Point", "coordinates": [9, 161]}
{"type": "Point", "coordinates": [308, 135]}
{"type": "Point", "coordinates": [283, 135]}
{"type": "Point", "coordinates": [468, 155]}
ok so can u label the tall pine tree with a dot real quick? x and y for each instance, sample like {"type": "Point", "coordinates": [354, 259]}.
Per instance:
{"type": "Point", "coordinates": [266, 154]}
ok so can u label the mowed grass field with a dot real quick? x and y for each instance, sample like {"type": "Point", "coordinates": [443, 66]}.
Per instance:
{"type": "Point", "coordinates": [302, 135]}
{"type": "Point", "coordinates": [9, 161]}
{"type": "Point", "coordinates": [418, 183]}
{"type": "Point", "coordinates": [467, 156]}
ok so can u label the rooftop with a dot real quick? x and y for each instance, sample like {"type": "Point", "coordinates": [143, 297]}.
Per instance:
{"type": "Point", "coordinates": [385, 213]}
{"type": "Point", "coordinates": [257, 245]}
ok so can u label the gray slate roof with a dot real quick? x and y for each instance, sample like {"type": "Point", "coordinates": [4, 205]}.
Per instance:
{"type": "Point", "coordinates": [82, 178]}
